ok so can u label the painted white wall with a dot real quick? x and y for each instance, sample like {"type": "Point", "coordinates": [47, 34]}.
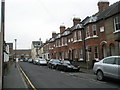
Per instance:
{"type": "Point", "coordinates": [6, 55]}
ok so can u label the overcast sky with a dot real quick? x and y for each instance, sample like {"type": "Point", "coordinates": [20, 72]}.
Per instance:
{"type": "Point", "coordinates": [29, 20]}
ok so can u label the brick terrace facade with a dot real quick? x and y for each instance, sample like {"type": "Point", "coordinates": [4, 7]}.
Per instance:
{"type": "Point", "coordinates": [90, 40]}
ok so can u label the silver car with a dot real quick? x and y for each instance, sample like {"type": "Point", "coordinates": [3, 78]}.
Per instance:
{"type": "Point", "coordinates": [108, 67]}
{"type": "Point", "coordinates": [42, 62]}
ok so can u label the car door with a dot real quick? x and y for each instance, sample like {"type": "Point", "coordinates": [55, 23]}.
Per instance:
{"type": "Point", "coordinates": [117, 72]}
{"type": "Point", "coordinates": [109, 67]}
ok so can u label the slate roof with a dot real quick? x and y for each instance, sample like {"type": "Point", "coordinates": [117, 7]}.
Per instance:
{"type": "Point", "coordinates": [91, 19]}
{"type": "Point", "coordinates": [36, 43]}
{"type": "Point", "coordinates": [110, 11]}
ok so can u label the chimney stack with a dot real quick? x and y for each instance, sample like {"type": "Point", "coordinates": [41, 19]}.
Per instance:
{"type": "Point", "coordinates": [102, 5]}
{"type": "Point", "coordinates": [62, 28]}
{"type": "Point", "coordinates": [54, 34]}
{"type": "Point", "coordinates": [76, 21]}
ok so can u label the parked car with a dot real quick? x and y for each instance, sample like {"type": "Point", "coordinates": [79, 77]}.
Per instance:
{"type": "Point", "coordinates": [42, 62]}
{"type": "Point", "coordinates": [21, 60]}
{"type": "Point", "coordinates": [65, 65]}
{"type": "Point", "coordinates": [53, 63]}
{"type": "Point", "coordinates": [30, 60]}
{"type": "Point", "coordinates": [25, 59]}
{"type": "Point", "coordinates": [107, 67]}
{"type": "Point", "coordinates": [35, 61]}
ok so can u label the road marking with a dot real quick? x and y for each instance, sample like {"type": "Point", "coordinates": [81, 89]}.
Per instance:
{"type": "Point", "coordinates": [27, 79]}
{"type": "Point", "coordinates": [22, 77]}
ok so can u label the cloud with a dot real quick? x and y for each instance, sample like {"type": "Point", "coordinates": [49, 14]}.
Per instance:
{"type": "Point", "coordinates": [29, 20]}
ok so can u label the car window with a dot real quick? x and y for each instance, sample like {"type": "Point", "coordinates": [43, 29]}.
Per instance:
{"type": "Point", "coordinates": [109, 61]}
{"type": "Point", "coordinates": [117, 61]}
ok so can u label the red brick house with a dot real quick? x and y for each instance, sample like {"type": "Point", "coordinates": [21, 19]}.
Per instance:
{"type": "Point", "coordinates": [90, 40]}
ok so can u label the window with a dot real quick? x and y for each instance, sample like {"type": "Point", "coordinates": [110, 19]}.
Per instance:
{"type": "Point", "coordinates": [75, 53]}
{"type": "Point", "coordinates": [96, 52]}
{"type": "Point", "coordinates": [65, 40]}
{"type": "Point", "coordinates": [117, 61]}
{"type": "Point", "coordinates": [75, 38]}
{"type": "Point", "coordinates": [59, 43]}
{"type": "Point", "coordinates": [79, 35]}
{"type": "Point", "coordinates": [69, 40]}
{"type": "Point", "coordinates": [62, 41]}
{"type": "Point", "coordinates": [102, 29]}
{"type": "Point", "coordinates": [109, 61]}
{"type": "Point", "coordinates": [88, 31]}
{"type": "Point", "coordinates": [117, 23]}
{"type": "Point", "coordinates": [81, 54]}
{"type": "Point", "coordinates": [66, 55]}
{"type": "Point", "coordinates": [56, 43]}
{"type": "Point", "coordinates": [94, 30]}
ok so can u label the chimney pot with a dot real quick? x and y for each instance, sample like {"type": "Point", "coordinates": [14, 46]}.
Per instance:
{"type": "Point", "coordinates": [62, 28]}
{"type": "Point", "coordinates": [76, 21]}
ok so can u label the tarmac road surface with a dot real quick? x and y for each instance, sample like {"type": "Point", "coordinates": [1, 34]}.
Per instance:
{"type": "Point", "coordinates": [43, 77]}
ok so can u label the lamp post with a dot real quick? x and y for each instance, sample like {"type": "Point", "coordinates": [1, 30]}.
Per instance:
{"type": "Point", "coordinates": [15, 48]}
{"type": "Point", "coordinates": [15, 52]}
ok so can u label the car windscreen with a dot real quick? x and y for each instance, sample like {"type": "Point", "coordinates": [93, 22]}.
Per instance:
{"type": "Point", "coordinates": [42, 60]}
{"type": "Point", "coordinates": [56, 60]}
{"type": "Point", "coordinates": [67, 62]}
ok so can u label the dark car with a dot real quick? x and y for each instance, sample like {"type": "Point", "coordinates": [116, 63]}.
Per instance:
{"type": "Point", "coordinates": [65, 65]}
{"type": "Point", "coordinates": [53, 63]}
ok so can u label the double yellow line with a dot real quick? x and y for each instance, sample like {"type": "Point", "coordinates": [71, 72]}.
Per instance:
{"type": "Point", "coordinates": [27, 78]}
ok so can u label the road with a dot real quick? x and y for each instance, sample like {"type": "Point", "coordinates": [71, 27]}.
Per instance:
{"type": "Point", "coordinates": [43, 77]}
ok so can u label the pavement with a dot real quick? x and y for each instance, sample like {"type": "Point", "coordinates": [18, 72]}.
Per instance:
{"type": "Point", "coordinates": [13, 77]}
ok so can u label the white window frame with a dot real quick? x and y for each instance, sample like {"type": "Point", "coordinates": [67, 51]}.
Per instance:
{"type": "Point", "coordinates": [75, 37]}
{"type": "Point", "coordinates": [102, 29]}
{"type": "Point", "coordinates": [65, 40]}
{"type": "Point", "coordinates": [62, 41]}
{"type": "Point", "coordinates": [116, 22]}
{"type": "Point", "coordinates": [87, 32]}
{"type": "Point", "coordinates": [94, 29]}
{"type": "Point", "coordinates": [59, 43]}
{"type": "Point", "coordinates": [80, 35]}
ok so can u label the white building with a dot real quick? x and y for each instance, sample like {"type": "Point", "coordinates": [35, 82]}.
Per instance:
{"type": "Point", "coordinates": [6, 54]}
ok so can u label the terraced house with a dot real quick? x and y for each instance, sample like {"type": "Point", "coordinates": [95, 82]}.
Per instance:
{"type": "Point", "coordinates": [91, 39]}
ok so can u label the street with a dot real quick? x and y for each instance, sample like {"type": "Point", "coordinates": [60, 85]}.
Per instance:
{"type": "Point", "coordinates": [43, 77]}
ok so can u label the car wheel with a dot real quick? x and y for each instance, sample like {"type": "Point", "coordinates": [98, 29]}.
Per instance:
{"type": "Point", "coordinates": [65, 69]}
{"type": "Point", "coordinates": [100, 75]}
{"type": "Point", "coordinates": [57, 67]}
{"type": "Point", "coordinates": [52, 67]}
